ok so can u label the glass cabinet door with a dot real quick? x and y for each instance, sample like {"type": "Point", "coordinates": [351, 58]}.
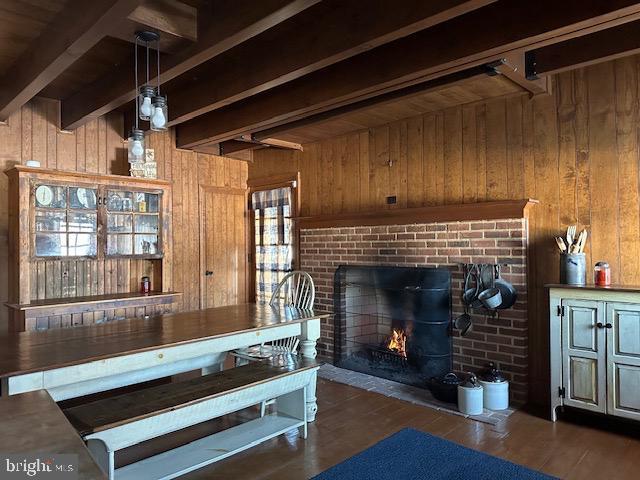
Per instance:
{"type": "Point", "coordinates": [133, 223]}
{"type": "Point", "coordinates": [66, 217]}
{"type": "Point", "coordinates": [65, 221]}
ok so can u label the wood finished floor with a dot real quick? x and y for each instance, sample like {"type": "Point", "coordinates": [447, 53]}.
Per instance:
{"type": "Point", "coordinates": [350, 420]}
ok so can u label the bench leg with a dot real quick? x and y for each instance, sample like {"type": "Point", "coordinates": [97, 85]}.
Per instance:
{"type": "Point", "coordinates": [216, 367]}
{"type": "Point", "coordinates": [294, 405]}
{"type": "Point", "coordinates": [312, 405]}
{"type": "Point", "coordinates": [102, 456]}
{"type": "Point", "coordinates": [308, 339]}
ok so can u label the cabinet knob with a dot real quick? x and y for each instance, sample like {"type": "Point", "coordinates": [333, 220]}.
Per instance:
{"type": "Point", "coordinates": [608, 325]}
{"type": "Point", "coordinates": [599, 325]}
{"type": "Point", "coordinates": [208, 273]}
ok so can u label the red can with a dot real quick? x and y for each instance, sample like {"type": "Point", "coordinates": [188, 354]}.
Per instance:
{"type": "Point", "coordinates": [145, 285]}
{"type": "Point", "coordinates": [602, 274]}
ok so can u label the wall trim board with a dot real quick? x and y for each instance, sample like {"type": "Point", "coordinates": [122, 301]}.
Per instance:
{"type": "Point", "coordinates": [440, 213]}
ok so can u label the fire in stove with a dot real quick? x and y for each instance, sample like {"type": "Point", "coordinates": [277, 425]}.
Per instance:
{"type": "Point", "coordinates": [397, 342]}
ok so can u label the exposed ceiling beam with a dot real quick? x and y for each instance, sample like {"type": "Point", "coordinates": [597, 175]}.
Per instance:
{"type": "Point", "coordinates": [283, 144]}
{"type": "Point", "coordinates": [74, 31]}
{"type": "Point", "coordinates": [390, 97]}
{"type": "Point", "coordinates": [325, 34]}
{"type": "Point", "coordinates": [513, 67]}
{"type": "Point", "coordinates": [579, 52]}
{"type": "Point", "coordinates": [247, 142]}
{"type": "Point", "coordinates": [476, 38]}
{"type": "Point", "coordinates": [232, 22]}
{"type": "Point", "coordinates": [176, 21]}
{"type": "Point", "coordinates": [168, 16]}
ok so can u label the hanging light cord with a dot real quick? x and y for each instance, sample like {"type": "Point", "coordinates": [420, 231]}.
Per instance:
{"type": "Point", "coordinates": [136, 79]}
{"type": "Point", "coordinates": [146, 42]}
{"type": "Point", "coordinates": [158, 57]}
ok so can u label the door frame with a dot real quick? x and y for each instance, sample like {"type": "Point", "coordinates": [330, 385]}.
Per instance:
{"type": "Point", "coordinates": [202, 239]}
{"type": "Point", "coordinates": [269, 183]}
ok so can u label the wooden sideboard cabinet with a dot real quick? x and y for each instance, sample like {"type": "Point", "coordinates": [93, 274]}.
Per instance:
{"type": "Point", "coordinates": [79, 244]}
{"type": "Point", "coordinates": [595, 349]}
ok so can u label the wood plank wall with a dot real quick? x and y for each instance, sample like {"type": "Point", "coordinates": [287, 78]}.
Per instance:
{"type": "Point", "coordinates": [98, 147]}
{"type": "Point", "coordinates": [576, 151]}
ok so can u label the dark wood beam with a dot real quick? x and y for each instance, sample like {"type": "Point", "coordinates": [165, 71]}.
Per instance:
{"type": "Point", "coordinates": [168, 16]}
{"type": "Point", "coordinates": [322, 35]}
{"type": "Point", "coordinates": [597, 47]}
{"type": "Point", "coordinates": [176, 22]}
{"type": "Point", "coordinates": [478, 37]}
{"type": "Point", "coordinates": [228, 24]}
{"type": "Point", "coordinates": [75, 30]}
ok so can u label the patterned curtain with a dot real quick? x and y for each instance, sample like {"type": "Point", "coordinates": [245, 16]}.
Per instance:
{"type": "Point", "coordinates": [273, 227]}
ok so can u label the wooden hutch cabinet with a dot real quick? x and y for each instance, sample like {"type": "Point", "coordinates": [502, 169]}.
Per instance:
{"type": "Point", "coordinates": [80, 243]}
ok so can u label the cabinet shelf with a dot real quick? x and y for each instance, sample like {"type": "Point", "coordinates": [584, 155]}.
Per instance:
{"type": "Point", "coordinates": [77, 305]}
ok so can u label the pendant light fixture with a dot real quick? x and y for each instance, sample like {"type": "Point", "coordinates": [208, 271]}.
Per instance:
{"type": "Point", "coordinates": [135, 142]}
{"type": "Point", "coordinates": [146, 92]}
{"type": "Point", "coordinates": [150, 105]}
{"type": "Point", "coordinates": [159, 115]}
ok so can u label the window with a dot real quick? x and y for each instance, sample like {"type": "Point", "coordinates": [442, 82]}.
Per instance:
{"type": "Point", "coordinates": [273, 239]}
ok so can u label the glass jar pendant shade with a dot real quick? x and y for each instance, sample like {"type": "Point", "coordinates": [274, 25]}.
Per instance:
{"type": "Point", "coordinates": [135, 147]}
{"type": "Point", "coordinates": [145, 102]}
{"type": "Point", "coordinates": [159, 115]}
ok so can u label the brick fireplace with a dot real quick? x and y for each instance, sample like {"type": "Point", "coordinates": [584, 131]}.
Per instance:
{"type": "Point", "coordinates": [500, 338]}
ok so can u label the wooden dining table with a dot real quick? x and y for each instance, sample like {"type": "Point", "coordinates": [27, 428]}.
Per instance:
{"type": "Point", "coordinates": [78, 361]}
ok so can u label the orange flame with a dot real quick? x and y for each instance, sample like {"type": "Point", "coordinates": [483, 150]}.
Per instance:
{"type": "Point", "coordinates": [398, 342]}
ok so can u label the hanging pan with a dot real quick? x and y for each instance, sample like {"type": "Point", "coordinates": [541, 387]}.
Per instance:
{"type": "Point", "coordinates": [507, 290]}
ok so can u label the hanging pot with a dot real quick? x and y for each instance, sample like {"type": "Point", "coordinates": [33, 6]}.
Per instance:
{"type": "Point", "coordinates": [463, 323]}
{"type": "Point", "coordinates": [507, 290]}
{"type": "Point", "coordinates": [491, 298]}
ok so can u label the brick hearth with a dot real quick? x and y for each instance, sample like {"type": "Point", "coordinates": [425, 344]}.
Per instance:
{"type": "Point", "coordinates": [501, 339]}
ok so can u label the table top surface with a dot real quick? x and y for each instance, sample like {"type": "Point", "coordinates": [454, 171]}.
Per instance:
{"type": "Point", "coordinates": [609, 288]}
{"type": "Point", "coordinates": [32, 422]}
{"type": "Point", "coordinates": [27, 352]}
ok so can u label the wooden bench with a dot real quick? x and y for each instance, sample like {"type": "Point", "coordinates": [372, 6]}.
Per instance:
{"type": "Point", "coordinates": [111, 424]}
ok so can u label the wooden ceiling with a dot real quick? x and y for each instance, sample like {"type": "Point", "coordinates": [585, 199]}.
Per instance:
{"type": "Point", "coordinates": [21, 22]}
{"type": "Point", "coordinates": [473, 89]}
{"type": "Point", "coordinates": [244, 73]}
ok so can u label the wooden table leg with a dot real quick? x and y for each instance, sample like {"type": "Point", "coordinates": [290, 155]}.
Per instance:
{"type": "Point", "coordinates": [308, 339]}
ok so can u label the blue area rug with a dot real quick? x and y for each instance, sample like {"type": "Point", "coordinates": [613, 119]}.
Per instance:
{"type": "Point", "coordinates": [413, 455]}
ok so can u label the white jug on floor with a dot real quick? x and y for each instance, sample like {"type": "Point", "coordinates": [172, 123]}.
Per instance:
{"type": "Point", "coordinates": [470, 396]}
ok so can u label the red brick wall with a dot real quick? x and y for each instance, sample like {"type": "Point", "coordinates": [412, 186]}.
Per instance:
{"type": "Point", "coordinates": [501, 338]}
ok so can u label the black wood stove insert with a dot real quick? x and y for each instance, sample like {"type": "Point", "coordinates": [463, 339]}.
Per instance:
{"type": "Point", "coordinates": [393, 322]}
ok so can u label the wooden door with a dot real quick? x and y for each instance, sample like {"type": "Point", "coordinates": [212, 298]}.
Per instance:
{"type": "Point", "coordinates": [223, 246]}
{"type": "Point", "coordinates": [623, 360]}
{"type": "Point", "coordinates": [584, 355]}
